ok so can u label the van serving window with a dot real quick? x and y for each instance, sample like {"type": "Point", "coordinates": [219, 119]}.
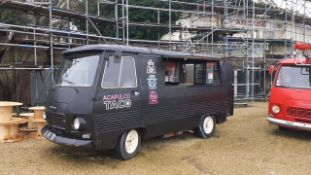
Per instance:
{"type": "Point", "coordinates": [119, 73]}
{"type": "Point", "coordinates": [192, 73]}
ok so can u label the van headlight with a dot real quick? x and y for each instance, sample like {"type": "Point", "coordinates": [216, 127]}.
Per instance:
{"type": "Point", "coordinates": [78, 123]}
{"type": "Point", "coordinates": [276, 109]}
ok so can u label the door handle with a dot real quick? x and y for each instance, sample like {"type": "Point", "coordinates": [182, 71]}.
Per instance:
{"type": "Point", "coordinates": [136, 93]}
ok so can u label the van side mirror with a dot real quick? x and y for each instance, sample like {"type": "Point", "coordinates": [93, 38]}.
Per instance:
{"type": "Point", "coordinates": [271, 69]}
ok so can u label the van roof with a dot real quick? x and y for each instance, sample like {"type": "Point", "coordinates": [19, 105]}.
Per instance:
{"type": "Point", "coordinates": [143, 50]}
{"type": "Point", "coordinates": [295, 61]}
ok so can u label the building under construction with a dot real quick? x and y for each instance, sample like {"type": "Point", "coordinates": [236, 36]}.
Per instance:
{"type": "Point", "coordinates": [253, 34]}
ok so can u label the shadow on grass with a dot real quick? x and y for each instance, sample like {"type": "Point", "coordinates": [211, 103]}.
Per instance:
{"type": "Point", "coordinates": [293, 134]}
{"type": "Point", "coordinates": [82, 157]}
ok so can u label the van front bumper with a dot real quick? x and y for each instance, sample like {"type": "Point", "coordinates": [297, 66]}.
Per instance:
{"type": "Point", "coordinates": [290, 124]}
{"type": "Point", "coordinates": [51, 136]}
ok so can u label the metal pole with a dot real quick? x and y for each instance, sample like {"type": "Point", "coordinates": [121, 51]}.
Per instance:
{"type": "Point", "coordinates": [294, 21]}
{"type": "Point", "coordinates": [123, 22]}
{"type": "Point", "coordinates": [212, 27]}
{"type": "Point", "coordinates": [253, 52]}
{"type": "Point", "coordinates": [98, 9]}
{"type": "Point", "coordinates": [158, 31]}
{"type": "Point", "coordinates": [264, 53]}
{"type": "Point", "coordinates": [304, 20]}
{"type": "Point", "coordinates": [285, 31]}
{"type": "Point", "coordinates": [170, 23]}
{"type": "Point", "coordinates": [36, 82]}
{"type": "Point", "coordinates": [69, 42]}
{"type": "Point", "coordinates": [116, 14]}
{"type": "Point", "coordinates": [127, 22]}
{"type": "Point", "coordinates": [87, 21]}
{"type": "Point", "coordinates": [51, 40]}
{"type": "Point", "coordinates": [235, 83]}
{"type": "Point", "coordinates": [247, 50]}
{"type": "Point", "coordinates": [35, 40]}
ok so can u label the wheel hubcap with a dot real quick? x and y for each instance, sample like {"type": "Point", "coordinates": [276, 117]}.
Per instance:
{"type": "Point", "coordinates": [208, 125]}
{"type": "Point", "coordinates": [131, 141]}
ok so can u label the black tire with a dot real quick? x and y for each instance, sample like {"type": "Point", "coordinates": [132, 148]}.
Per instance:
{"type": "Point", "coordinates": [200, 132]}
{"type": "Point", "coordinates": [121, 150]}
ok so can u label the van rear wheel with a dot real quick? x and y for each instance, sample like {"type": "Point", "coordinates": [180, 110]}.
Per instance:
{"type": "Point", "coordinates": [206, 128]}
{"type": "Point", "coordinates": [128, 145]}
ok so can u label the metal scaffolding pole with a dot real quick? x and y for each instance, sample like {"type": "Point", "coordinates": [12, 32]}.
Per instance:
{"type": "Point", "coordinates": [98, 8]}
{"type": "Point", "coordinates": [51, 39]}
{"type": "Point", "coordinates": [127, 23]}
{"type": "Point", "coordinates": [170, 22]}
{"type": "Point", "coordinates": [264, 54]}
{"type": "Point", "coordinates": [159, 21]}
{"type": "Point", "coordinates": [87, 21]}
{"type": "Point", "coordinates": [246, 2]}
{"type": "Point", "coordinates": [285, 29]}
{"type": "Point", "coordinates": [35, 41]}
{"type": "Point", "coordinates": [116, 14]}
{"type": "Point", "coordinates": [304, 20]}
{"type": "Point", "coordinates": [253, 51]}
{"type": "Point", "coordinates": [212, 27]}
{"type": "Point", "coordinates": [123, 22]}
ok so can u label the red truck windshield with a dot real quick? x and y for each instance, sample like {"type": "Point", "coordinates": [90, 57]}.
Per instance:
{"type": "Point", "coordinates": [294, 77]}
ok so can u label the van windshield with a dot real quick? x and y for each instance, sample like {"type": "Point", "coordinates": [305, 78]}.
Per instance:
{"type": "Point", "coordinates": [294, 77]}
{"type": "Point", "coordinates": [78, 71]}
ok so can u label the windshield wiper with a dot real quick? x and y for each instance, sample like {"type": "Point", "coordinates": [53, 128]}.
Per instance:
{"type": "Point", "coordinates": [71, 85]}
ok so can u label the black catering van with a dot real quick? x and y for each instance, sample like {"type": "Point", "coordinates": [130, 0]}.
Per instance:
{"type": "Point", "coordinates": [112, 96]}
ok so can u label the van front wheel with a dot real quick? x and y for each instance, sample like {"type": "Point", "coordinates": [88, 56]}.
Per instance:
{"type": "Point", "coordinates": [128, 144]}
{"type": "Point", "coordinates": [206, 128]}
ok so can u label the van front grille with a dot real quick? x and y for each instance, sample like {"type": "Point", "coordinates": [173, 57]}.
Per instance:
{"type": "Point", "coordinates": [299, 112]}
{"type": "Point", "coordinates": [56, 120]}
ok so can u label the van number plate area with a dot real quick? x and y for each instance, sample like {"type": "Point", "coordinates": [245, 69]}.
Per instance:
{"type": "Point", "coordinates": [49, 135]}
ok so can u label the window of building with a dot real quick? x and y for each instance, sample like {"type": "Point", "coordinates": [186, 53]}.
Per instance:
{"type": "Point", "coordinates": [192, 73]}
{"type": "Point", "coordinates": [120, 73]}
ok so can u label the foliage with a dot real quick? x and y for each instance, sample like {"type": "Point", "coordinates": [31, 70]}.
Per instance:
{"type": "Point", "coordinates": [107, 11]}
{"type": "Point", "coordinates": [13, 17]}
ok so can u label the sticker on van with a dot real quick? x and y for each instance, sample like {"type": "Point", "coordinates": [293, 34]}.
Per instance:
{"type": "Point", "coordinates": [153, 97]}
{"type": "Point", "coordinates": [151, 68]}
{"type": "Point", "coordinates": [117, 101]}
{"type": "Point", "coordinates": [152, 82]}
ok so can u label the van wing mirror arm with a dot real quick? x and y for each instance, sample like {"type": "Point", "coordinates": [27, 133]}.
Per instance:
{"type": "Point", "coordinates": [105, 56]}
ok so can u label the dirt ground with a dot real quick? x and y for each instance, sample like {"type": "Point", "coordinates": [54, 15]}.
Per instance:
{"type": "Point", "coordinates": [245, 144]}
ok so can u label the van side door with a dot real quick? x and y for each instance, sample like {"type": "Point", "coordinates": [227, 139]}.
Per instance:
{"type": "Point", "coordinates": [117, 105]}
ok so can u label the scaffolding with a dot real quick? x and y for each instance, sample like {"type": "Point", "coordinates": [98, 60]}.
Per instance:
{"type": "Point", "coordinates": [253, 34]}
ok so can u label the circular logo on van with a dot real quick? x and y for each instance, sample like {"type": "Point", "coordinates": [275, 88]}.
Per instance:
{"type": "Point", "coordinates": [152, 82]}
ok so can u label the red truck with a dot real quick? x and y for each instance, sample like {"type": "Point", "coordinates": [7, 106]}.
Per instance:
{"type": "Point", "coordinates": [290, 99]}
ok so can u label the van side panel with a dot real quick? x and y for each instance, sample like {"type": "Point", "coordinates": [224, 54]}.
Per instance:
{"type": "Point", "coordinates": [178, 107]}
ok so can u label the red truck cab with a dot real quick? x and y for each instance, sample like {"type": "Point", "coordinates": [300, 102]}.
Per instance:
{"type": "Point", "coordinates": [290, 99]}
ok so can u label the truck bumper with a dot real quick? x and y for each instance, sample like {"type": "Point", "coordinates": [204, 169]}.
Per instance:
{"type": "Point", "coordinates": [290, 124]}
{"type": "Point", "coordinates": [65, 141]}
